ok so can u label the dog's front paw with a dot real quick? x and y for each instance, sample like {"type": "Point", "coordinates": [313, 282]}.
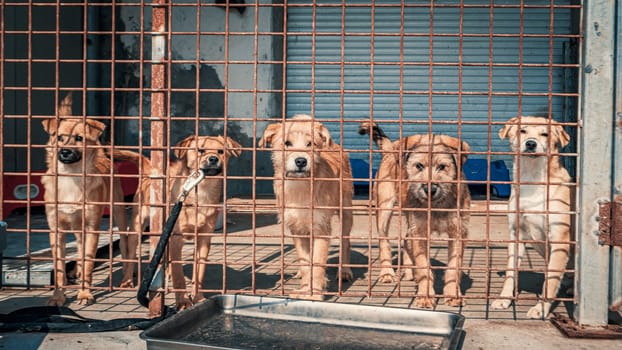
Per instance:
{"type": "Point", "coordinates": [182, 301]}
{"type": "Point", "coordinates": [540, 311]}
{"type": "Point", "coordinates": [198, 298]}
{"type": "Point", "coordinates": [501, 304]}
{"type": "Point", "coordinates": [455, 302]}
{"type": "Point", "coordinates": [57, 298]}
{"type": "Point", "coordinates": [346, 274]}
{"type": "Point", "coordinates": [387, 275]}
{"type": "Point", "coordinates": [305, 294]}
{"type": "Point", "coordinates": [425, 302]}
{"type": "Point", "coordinates": [85, 297]}
{"type": "Point", "coordinates": [127, 284]}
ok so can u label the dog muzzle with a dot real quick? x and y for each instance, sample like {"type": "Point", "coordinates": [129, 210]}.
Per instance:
{"type": "Point", "coordinates": [69, 156]}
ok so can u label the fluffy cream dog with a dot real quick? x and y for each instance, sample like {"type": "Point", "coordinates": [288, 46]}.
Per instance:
{"type": "Point", "coordinates": [539, 205]}
{"type": "Point", "coordinates": [308, 165]}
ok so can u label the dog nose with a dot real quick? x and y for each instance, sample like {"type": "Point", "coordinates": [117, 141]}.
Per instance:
{"type": "Point", "coordinates": [531, 145]}
{"type": "Point", "coordinates": [431, 190]}
{"type": "Point", "coordinates": [65, 153]}
{"type": "Point", "coordinates": [301, 162]}
{"type": "Point", "coordinates": [213, 160]}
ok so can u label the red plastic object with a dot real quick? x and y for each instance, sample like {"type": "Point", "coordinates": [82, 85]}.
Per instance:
{"type": "Point", "coordinates": [15, 188]}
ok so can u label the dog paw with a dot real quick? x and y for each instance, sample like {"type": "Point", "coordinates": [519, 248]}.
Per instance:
{"type": "Point", "coordinates": [425, 302]}
{"type": "Point", "coordinates": [85, 297]}
{"type": "Point", "coordinates": [455, 302]}
{"type": "Point", "coordinates": [346, 274]}
{"type": "Point", "coordinates": [540, 311]}
{"type": "Point", "coordinates": [408, 275]}
{"type": "Point", "coordinates": [198, 298]}
{"type": "Point", "coordinates": [182, 302]}
{"type": "Point", "coordinates": [127, 284]}
{"type": "Point", "coordinates": [500, 304]}
{"type": "Point", "coordinates": [57, 299]}
{"type": "Point", "coordinates": [387, 275]}
{"type": "Point", "coordinates": [305, 294]}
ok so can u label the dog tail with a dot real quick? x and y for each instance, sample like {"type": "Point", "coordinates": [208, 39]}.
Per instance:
{"type": "Point", "coordinates": [136, 158]}
{"type": "Point", "coordinates": [382, 140]}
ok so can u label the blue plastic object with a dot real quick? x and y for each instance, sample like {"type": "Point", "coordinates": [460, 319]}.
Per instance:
{"type": "Point", "coordinates": [477, 169]}
{"type": "Point", "coordinates": [360, 171]}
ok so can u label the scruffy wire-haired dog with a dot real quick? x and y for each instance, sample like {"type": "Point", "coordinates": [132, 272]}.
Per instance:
{"type": "Point", "coordinates": [430, 190]}
{"type": "Point", "coordinates": [303, 153]}
{"type": "Point", "coordinates": [71, 150]}
{"type": "Point", "coordinates": [536, 141]}
{"type": "Point", "coordinates": [209, 154]}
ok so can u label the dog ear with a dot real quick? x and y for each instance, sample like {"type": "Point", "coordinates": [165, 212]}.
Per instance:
{"type": "Point", "coordinates": [509, 128]}
{"type": "Point", "coordinates": [458, 146]}
{"type": "Point", "coordinates": [64, 110]}
{"type": "Point", "coordinates": [233, 148]}
{"type": "Point", "coordinates": [94, 129]}
{"type": "Point", "coordinates": [50, 126]}
{"type": "Point", "coordinates": [183, 147]}
{"type": "Point", "coordinates": [561, 135]}
{"type": "Point", "coordinates": [327, 140]}
{"type": "Point", "coordinates": [406, 144]}
{"type": "Point", "coordinates": [268, 135]}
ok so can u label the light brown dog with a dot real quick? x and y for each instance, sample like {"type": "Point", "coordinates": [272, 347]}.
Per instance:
{"type": "Point", "coordinates": [422, 174]}
{"type": "Point", "coordinates": [308, 165]}
{"type": "Point", "coordinates": [77, 187]}
{"type": "Point", "coordinates": [541, 187]}
{"type": "Point", "coordinates": [200, 213]}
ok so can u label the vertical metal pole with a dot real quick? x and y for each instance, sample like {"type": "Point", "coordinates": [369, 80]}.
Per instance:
{"type": "Point", "coordinates": [615, 285]}
{"type": "Point", "coordinates": [158, 127]}
{"type": "Point", "coordinates": [596, 113]}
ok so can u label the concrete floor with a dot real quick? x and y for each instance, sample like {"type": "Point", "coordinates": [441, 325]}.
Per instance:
{"type": "Point", "coordinates": [259, 262]}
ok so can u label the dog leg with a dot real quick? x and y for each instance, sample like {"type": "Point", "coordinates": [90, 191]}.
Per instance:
{"type": "Point", "coordinates": [453, 295]}
{"type": "Point", "coordinates": [383, 220]}
{"type": "Point", "coordinates": [553, 276]}
{"type": "Point", "coordinates": [423, 274]}
{"type": "Point", "coordinates": [511, 273]}
{"type": "Point", "coordinates": [182, 300]}
{"type": "Point", "coordinates": [303, 251]}
{"type": "Point", "coordinates": [57, 243]}
{"type": "Point", "coordinates": [203, 247]}
{"type": "Point", "coordinates": [90, 249]}
{"type": "Point", "coordinates": [346, 272]}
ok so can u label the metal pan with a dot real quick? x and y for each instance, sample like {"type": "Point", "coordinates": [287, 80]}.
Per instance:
{"type": "Point", "coordinates": [255, 322]}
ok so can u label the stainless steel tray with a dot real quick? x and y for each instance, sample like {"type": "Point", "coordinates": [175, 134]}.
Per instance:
{"type": "Point", "coordinates": [255, 322]}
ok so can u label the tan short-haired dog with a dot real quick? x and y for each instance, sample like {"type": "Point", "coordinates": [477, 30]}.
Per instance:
{"type": "Point", "coordinates": [541, 188]}
{"type": "Point", "coordinates": [426, 183]}
{"type": "Point", "coordinates": [209, 154]}
{"type": "Point", "coordinates": [77, 187]}
{"type": "Point", "coordinates": [304, 155]}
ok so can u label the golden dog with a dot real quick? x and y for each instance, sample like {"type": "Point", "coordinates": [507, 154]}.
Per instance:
{"type": "Point", "coordinates": [541, 187]}
{"type": "Point", "coordinates": [307, 167]}
{"type": "Point", "coordinates": [426, 182]}
{"type": "Point", "coordinates": [77, 187]}
{"type": "Point", "coordinates": [210, 155]}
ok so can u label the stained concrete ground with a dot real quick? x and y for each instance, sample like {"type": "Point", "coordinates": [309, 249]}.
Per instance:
{"type": "Point", "coordinates": [259, 262]}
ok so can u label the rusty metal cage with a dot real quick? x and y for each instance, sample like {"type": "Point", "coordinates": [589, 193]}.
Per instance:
{"type": "Point", "coordinates": [158, 72]}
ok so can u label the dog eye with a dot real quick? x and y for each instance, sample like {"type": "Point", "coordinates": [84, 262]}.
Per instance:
{"type": "Point", "coordinates": [441, 167]}
{"type": "Point", "coordinates": [309, 144]}
{"type": "Point", "coordinates": [419, 166]}
{"type": "Point", "coordinates": [220, 151]}
{"type": "Point", "coordinates": [288, 143]}
{"type": "Point", "coordinates": [60, 138]}
{"type": "Point", "coordinates": [545, 134]}
{"type": "Point", "coordinates": [523, 131]}
{"type": "Point", "coordinates": [78, 138]}
{"type": "Point", "coordinates": [201, 151]}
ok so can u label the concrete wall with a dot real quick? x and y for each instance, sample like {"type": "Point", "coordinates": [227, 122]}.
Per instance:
{"type": "Point", "coordinates": [211, 75]}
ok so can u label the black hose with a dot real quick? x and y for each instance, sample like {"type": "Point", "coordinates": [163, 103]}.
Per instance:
{"type": "Point", "coordinates": [145, 283]}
